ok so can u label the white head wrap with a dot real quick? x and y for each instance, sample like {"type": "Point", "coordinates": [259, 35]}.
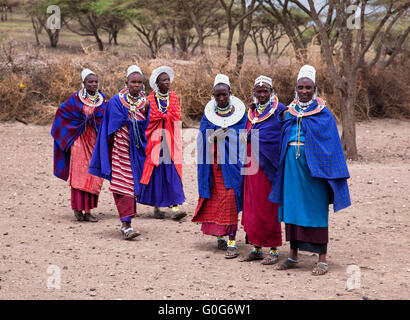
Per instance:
{"type": "Point", "coordinates": [222, 78]}
{"type": "Point", "coordinates": [132, 69]}
{"type": "Point", "coordinates": [261, 80]}
{"type": "Point", "coordinates": [86, 72]}
{"type": "Point", "coordinates": [307, 71]}
{"type": "Point", "coordinates": [157, 72]}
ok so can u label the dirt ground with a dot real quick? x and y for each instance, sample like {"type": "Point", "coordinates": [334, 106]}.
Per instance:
{"type": "Point", "coordinates": [46, 254]}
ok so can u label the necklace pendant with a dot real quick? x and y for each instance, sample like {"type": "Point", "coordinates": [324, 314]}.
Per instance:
{"type": "Point", "coordinates": [132, 108]}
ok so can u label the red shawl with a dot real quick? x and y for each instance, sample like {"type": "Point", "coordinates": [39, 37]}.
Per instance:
{"type": "Point", "coordinates": [173, 138]}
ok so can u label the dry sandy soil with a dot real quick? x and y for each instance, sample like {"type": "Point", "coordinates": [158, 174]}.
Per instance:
{"type": "Point", "coordinates": [173, 260]}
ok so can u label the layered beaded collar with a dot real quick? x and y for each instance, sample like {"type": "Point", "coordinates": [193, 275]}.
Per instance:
{"type": "Point", "coordinates": [226, 111]}
{"type": "Point", "coordinates": [253, 118]}
{"type": "Point", "coordinates": [127, 102]}
{"type": "Point", "coordinates": [235, 114]}
{"type": "Point", "coordinates": [91, 101]}
{"type": "Point", "coordinates": [292, 108]}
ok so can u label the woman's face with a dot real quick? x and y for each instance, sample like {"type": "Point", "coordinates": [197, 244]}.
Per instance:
{"type": "Point", "coordinates": [91, 84]}
{"type": "Point", "coordinates": [305, 89]}
{"type": "Point", "coordinates": [262, 93]}
{"type": "Point", "coordinates": [135, 83]}
{"type": "Point", "coordinates": [221, 95]}
{"type": "Point", "coordinates": [163, 82]}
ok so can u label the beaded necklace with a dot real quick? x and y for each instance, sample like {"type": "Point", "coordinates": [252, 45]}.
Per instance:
{"type": "Point", "coordinates": [164, 97]}
{"type": "Point", "coordinates": [304, 105]}
{"type": "Point", "coordinates": [233, 114]}
{"type": "Point", "coordinates": [129, 101]}
{"type": "Point", "coordinates": [225, 111]}
{"type": "Point", "coordinates": [134, 106]}
{"type": "Point", "coordinates": [261, 107]}
{"type": "Point", "coordinates": [92, 101]}
{"type": "Point", "coordinates": [253, 118]}
{"type": "Point", "coordinates": [301, 113]}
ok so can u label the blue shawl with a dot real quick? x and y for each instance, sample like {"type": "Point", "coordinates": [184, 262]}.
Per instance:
{"type": "Point", "coordinates": [269, 140]}
{"type": "Point", "coordinates": [116, 116]}
{"type": "Point", "coordinates": [234, 157]}
{"type": "Point", "coordinates": [69, 123]}
{"type": "Point", "coordinates": [324, 154]}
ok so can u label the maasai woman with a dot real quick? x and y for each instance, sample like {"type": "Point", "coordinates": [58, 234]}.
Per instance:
{"type": "Point", "coordinates": [161, 182]}
{"type": "Point", "coordinates": [74, 130]}
{"type": "Point", "coordinates": [260, 216]}
{"type": "Point", "coordinates": [219, 166]}
{"type": "Point", "coordinates": [312, 173]}
{"type": "Point", "coordinates": [119, 154]}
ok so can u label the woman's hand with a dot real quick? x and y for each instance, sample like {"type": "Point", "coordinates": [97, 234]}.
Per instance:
{"type": "Point", "coordinates": [243, 137]}
{"type": "Point", "coordinates": [218, 133]}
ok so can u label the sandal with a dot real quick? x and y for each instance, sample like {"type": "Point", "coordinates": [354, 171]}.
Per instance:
{"type": "Point", "coordinates": [79, 215]}
{"type": "Point", "coordinates": [158, 214]}
{"type": "Point", "coordinates": [253, 255]}
{"type": "Point", "coordinates": [222, 244]}
{"type": "Point", "coordinates": [179, 215]}
{"type": "Point", "coordinates": [270, 259]}
{"type": "Point", "coordinates": [288, 264]}
{"type": "Point", "coordinates": [129, 233]}
{"type": "Point", "coordinates": [320, 269]}
{"type": "Point", "coordinates": [90, 218]}
{"type": "Point", "coordinates": [231, 252]}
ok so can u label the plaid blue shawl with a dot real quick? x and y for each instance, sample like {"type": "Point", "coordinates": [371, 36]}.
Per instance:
{"type": "Point", "coordinates": [324, 154]}
{"type": "Point", "coordinates": [69, 123]}
{"type": "Point", "coordinates": [115, 117]}
{"type": "Point", "coordinates": [234, 155]}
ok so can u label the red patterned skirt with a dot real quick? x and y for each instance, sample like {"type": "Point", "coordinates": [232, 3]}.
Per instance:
{"type": "Point", "coordinates": [221, 207]}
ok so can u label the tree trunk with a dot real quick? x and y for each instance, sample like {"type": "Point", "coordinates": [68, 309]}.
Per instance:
{"type": "Point", "coordinates": [201, 43]}
{"type": "Point", "coordinates": [99, 41]}
{"type": "Point", "coordinates": [229, 44]}
{"type": "Point", "coordinates": [153, 52]}
{"type": "Point", "coordinates": [54, 37]}
{"type": "Point", "coordinates": [240, 53]}
{"type": "Point", "coordinates": [115, 37]}
{"type": "Point", "coordinates": [347, 108]}
{"type": "Point", "coordinates": [255, 42]}
{"type": "Point", "coordinates": [200, 33]}
{"type": "Point", "coordinates": [35, 31]}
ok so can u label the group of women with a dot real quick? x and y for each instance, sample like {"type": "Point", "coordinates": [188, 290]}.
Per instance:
{"type": "Point", "coordinates": [271, 162]}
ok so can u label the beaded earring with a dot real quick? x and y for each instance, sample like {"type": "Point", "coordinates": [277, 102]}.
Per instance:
{"type": "Point", "coordinates": [315, 94]}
